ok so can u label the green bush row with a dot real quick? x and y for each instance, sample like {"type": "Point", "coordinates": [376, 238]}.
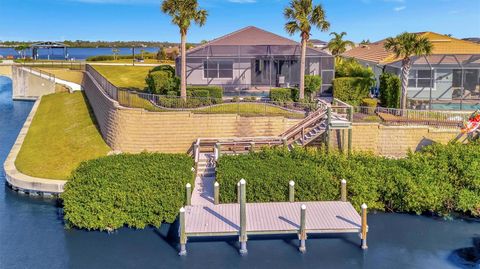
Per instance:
{"type": "Point", "coordinates": [440, 179]}
{"type": "Point", "coordinates": [99, 58]}
{"type": "Point", "coordinates": [352, 89]}
{"type": "Point", "coordinates": [133, 190]}
{"type": "Point", "coordinates": [215, 92]}
{"type": "Point", "coordinates": [390, 90]}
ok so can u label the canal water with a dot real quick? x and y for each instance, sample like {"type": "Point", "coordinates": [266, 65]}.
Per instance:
{"type": "Point", "coordinates": [74, 53]}
{"type": "Point", "coordinates": [32, 235]}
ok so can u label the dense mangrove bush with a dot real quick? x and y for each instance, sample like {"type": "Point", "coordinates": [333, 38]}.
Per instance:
{"type": "Point", "coordinates": [440, 179]}
{"type": "Point", "coordinates": [132, 190]}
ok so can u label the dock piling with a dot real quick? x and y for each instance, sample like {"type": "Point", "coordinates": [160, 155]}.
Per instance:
{"type": "Point", "coordinates": [216, 193]}
{"type": "Point", "coordinates": [243, 218]}
{"type": "Point", "coordinates": [183, 235]}
{"type": "Point", "coordinates": [216, 151]}
{"type": "Point", "coordinates": [303, 231]}
{"type": "Point", "coordinates": [238, 192]}
{"type": "Point", "coordinates": [344, 191]}
{"type": "Point", "coordinates": [188, 193]}
{"type": "Point", "coordinates": [291, 191]}
{"type": "Point", "coordinates": [364, 226]}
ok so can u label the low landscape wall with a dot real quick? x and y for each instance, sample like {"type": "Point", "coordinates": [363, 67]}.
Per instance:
{"type": "Point", "coordinates": [28, 86]}
{"type": "Point", "coordinates": [396, 141]}
{"type": "Point", "coordinates": [135, 130]}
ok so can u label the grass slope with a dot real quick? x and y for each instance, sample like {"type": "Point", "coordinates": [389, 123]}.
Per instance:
{"type": "Point", "coordinates": [61, 136]}
{"type": "Point", "coordinates": [132, 77]}
{"type": "Point", "coordinates": [65, 74]}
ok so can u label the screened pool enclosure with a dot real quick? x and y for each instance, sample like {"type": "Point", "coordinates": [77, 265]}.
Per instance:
{"type": "Point", "coordinates": [251, 61]}
{"type": "Point", "coordinates": [444, 82]}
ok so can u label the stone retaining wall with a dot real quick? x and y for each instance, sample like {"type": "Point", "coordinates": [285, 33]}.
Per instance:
{"type": "Point", "coordinates": [135, 130]}
{"type": "Point", "coordinates": [28, 86]}
{"type": "Point", "coordinates": [396, 141]}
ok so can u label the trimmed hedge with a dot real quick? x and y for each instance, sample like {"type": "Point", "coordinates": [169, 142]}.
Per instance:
{"type": "Point", "coordinates": [99, 58]}
{"type": "Point", "coordinates": [166, 68]}
{"type": "Point", "coordinates": [313, 84]}
{"type": "Point", "coordinates": [161, 82]}
{"type": "Point", "coordinates": [215, 92]}
{"type": "Point", "coordinates": [352, 89]}
{"type": "Point", "coordinates": [390, 90]}
{"type": "Point", "coordinates": [281, 94]}
{"type": "Point", "coordinates": [133, 190]}
{"type": "Point", "coordinates": [440, 179]}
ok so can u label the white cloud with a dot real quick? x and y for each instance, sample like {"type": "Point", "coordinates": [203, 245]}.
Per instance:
{"type": "Point", "coordinates": [397, 9]}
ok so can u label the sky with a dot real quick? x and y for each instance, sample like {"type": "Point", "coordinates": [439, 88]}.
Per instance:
{"type": "Point", "coordinates": [111, 20]}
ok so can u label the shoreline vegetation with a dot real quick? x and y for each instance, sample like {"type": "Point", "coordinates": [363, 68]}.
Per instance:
{"type": "Point", "coordinates": [100, 44]}
{"type": "Point", "coordinates": [134, 190]}
{"type": "Point", "coordinates": [440, 179]}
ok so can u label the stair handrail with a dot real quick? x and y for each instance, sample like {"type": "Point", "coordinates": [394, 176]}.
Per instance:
{"type": "Point", "coordinates": [319, 113]}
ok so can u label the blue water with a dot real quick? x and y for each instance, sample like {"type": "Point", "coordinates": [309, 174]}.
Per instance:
{"type": "Point", "coordinates": [456, 106]}
{"type": "Point", "coordinates": [32, 235]}
{"type": "Point", "coordinates": [74, 53]}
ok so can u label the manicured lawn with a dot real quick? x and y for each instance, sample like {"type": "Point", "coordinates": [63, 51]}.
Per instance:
{"type": "Point", "coordinates": [249, 110]}
{"type": "Point", "coordinates": [61, 136]}
{"type": "Point", "coordinates": [65, 74]}
{"type": "Point", "coordinates": [132, 77]}
{"type": "Point", "coordinates": [129, 61]}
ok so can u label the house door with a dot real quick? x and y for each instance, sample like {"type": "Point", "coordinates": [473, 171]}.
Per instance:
{"type": "Point", "coordinates": [261, 69]}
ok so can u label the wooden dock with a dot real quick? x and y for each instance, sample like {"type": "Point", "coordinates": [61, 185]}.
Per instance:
{"type": "Point", "coordinates": [272, 218]}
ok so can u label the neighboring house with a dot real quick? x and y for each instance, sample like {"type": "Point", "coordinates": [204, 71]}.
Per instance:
{"type": "Point", "coordinates": [319, 44]}
{"type": "Point", "coordinates": [250, 61]}
{"type": "Point", "coordinates": [451, 74]}
{"type": "Point", "coordinates": [172, 52]}
{"type": "Point", "coordinates": [473, 39]}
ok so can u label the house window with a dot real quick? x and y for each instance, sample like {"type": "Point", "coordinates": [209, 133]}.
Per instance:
{"type": "Point", "coordinates": [217, 69]}
{"type": "Point", "coordinates": [420, 79]}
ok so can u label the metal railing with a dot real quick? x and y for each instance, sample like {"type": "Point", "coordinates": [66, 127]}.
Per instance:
{"type": "Point", "coordinates": [73, 65]}
{"type": "Point", "coordinates": [199, 105]}
{"type": "Point", "coordinates": [409, 117]}
{"type": "Point", "coordinates": [38, 72]}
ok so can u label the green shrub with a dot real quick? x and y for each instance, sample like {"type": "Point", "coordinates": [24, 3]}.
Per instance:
{"type": "Point", "coordinates": [352, 89]}
{"type": "Point", "coordinates": [281, 94]}
{"type": "Point", "coordinates": [390, 90]}
{"type": "Point", "coordinates": [313, 84]}
{"type": "Point", "coordinates": [199, 93]}
{"type": "Point", "coordinates": [215, 92]}
{"type": "Point", "coordinates": [369, 102]}
{"type": "Point", "coordinates": [172, 93]}
{"type": "Point", "coordinates": [166, 68]}
{"type": "Point", "coordinates": [133, 190]}
{"type": "Point", "coordinates": [440, 179]}
{"type": "Point", "coordinates": [352, 68]}
{"type": "Point", "coordinates": [161, 82]}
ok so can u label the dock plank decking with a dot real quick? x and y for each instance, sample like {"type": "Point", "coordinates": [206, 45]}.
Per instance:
{"type": "Point", "coordinates": [272, 218]}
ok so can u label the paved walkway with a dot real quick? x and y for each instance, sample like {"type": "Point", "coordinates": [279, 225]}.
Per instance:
{"type": "Point", "coordinates": [203, 190]}
{"type": "Point", "coordinates": [73, 86]}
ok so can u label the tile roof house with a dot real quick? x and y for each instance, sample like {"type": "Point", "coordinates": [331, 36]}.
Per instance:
{"type": "Point", "coordinates": [250, 61]}
{"type": "Point", "coordinates": [450, 75]}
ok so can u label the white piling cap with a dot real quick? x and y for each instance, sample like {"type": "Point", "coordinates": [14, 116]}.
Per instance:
{"type": "Point", "coordinates": [182, 210]}
{"type": "Point", "coordinates": [189, 185]}
{"type": "Point", "coordinates": [292, 183]}
{"type": "Point", "coordinates": [364, 206]}
{"type": "Point", "coordinates": [344, 181]}
{"type": "Point", "coordinates": [242, 181]}
{"type": "Point", "coordinates": [216, 184]}
{"type": "Point", "coordinates": [193, 169]}
{"type": "Point", "coordinates": [304, 207]}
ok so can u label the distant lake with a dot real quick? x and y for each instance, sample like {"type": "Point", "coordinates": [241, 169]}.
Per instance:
{"type": "Point", "coordinates": [73, 53]}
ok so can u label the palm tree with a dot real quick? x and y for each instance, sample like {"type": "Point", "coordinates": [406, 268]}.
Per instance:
{"type": "Point", "coordinates": [183, 12]}
{"type": "Point", "coordinates": [405, 46]}
{"type": "Point", "coordinates": [301, 15]}
{"type": "Point", "coordinates": [337, 45]}
{"type": "Point", "coordinates": [20, 49]}
{"type": "Point", "coordinates": [365, 42]}
{"type": "Point", "coordinates": [115, 52]}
